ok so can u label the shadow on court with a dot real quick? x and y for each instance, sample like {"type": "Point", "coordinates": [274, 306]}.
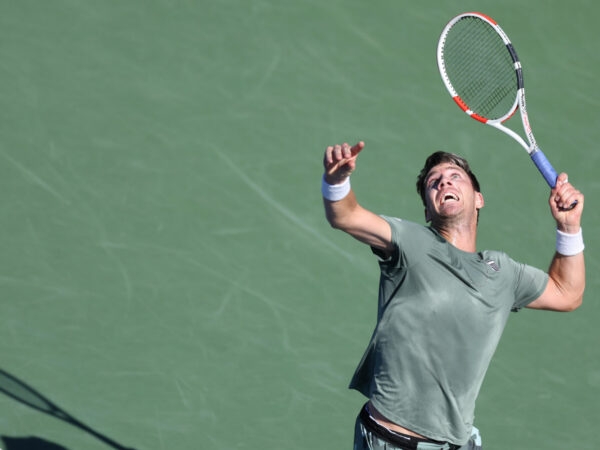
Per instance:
{"type": "Point", "coordinates": [29, 443]}
{"type": "Point", "coordinates": [25, 394]}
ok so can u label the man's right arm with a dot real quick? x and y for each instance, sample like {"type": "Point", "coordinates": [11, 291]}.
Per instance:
{"type": "Point", "coordinates": [345, 213]}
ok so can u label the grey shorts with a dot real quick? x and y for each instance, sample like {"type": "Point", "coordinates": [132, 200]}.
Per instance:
{"type": "Point", "coordinates": [370, 436]}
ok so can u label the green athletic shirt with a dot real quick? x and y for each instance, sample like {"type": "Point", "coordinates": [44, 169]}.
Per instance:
{"type": "Point", "coordinates": [440, 316]}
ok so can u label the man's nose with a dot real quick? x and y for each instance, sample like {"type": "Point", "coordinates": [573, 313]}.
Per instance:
{"type": "Point", "coordinates": [444, 181]}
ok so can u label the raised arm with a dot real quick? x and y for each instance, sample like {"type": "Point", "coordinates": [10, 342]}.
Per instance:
{"type": "Point", "coordinates": [341, 207]}
{"type": "Point", "coordinates": [567, 269]}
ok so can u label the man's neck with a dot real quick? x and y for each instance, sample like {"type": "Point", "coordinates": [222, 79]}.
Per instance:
{"type": "Point", "coordinates": [463, 237]}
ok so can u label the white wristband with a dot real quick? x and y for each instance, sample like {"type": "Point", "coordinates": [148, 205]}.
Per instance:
{"type": "Point", "coordinates": [335, 192]}
{"type": "Point", "coordinates": [569, 244]}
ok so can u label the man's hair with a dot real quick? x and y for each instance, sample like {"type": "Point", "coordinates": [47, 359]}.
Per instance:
{"type": "Point", "coordinates": [443, 157]}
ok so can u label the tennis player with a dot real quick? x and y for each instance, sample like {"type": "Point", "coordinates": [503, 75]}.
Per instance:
{"type": "Point", "coordinates": [443, 304]}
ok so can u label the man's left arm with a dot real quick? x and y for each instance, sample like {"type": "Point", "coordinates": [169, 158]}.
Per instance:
{"type": "Point", "coordinates": [566, 283]}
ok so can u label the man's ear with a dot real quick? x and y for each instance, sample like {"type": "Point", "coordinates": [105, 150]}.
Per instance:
{"type": "Point", "coordinates": [479, 202]}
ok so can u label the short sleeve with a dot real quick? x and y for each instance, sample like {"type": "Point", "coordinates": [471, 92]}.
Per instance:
{"type": "Point", "coordinates": [531, 283]}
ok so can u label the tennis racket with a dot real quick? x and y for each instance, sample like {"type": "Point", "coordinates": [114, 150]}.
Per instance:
{"type": "Point", "coordinates": [483, 74]}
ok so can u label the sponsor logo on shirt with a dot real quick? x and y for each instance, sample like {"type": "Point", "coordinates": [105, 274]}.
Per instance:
{"type": "Point", "coordinates": [493, 265]}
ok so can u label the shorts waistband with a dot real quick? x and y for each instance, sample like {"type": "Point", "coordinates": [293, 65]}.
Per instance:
{"type": "Point", "coordinates": [401, 440]}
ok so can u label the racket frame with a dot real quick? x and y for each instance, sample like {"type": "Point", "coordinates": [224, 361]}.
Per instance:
{"type": "Point", "coordinates": [536, 154]}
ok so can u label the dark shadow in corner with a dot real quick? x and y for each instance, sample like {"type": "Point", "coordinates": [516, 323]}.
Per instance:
{"type": "Point", "coordinates": [29, 443]}
{"type": "Point", "coordinates": [18, 390]}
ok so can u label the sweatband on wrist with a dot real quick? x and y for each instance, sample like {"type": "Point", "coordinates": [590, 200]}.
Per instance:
{"type": "Point", "coordinates": [335, 192]}
{"type": "Point", "coordinates": [569, 244]}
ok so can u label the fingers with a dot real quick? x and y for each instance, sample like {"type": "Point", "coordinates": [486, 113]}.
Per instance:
{"type": "Point", "coordinates": [566, 204]}
{"type": "Point", "coordinates": [340, 152]}
{"type": "Point", "coordinates": [562, 178]}
{"type": "Point", "coordinates": [340, 161]}
{"type": "Point", "coordinates": [564, 194]}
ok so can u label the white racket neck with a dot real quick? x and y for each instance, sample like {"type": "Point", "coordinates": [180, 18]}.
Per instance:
{"type": "Point", "coordinates": [525, 120]}
{"type": "Point", "coordinates": [529, 149]}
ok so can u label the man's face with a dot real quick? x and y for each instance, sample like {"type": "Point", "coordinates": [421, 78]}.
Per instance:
{"type": "Point", "coordinates": [450, 193]}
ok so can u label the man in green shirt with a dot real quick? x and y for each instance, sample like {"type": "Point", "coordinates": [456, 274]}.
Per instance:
{"type": "Point", "coordinates": [442, 304]}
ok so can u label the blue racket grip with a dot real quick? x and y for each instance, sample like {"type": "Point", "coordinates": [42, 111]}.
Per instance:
{"type": "Point", "coordinates": [548, 172]}
{"type": "Point", "coordinates": [544, 167]}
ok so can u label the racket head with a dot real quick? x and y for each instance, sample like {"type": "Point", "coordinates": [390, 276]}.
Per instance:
{"type": "Point", "coordinates": [480, 67]}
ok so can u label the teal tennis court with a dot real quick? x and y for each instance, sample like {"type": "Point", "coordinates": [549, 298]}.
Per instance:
{"type": "Point", "coordinates": [168, 279]}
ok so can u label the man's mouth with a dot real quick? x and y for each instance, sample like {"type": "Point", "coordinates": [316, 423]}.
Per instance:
{"type": "Point", "coordinates": [449, 197]}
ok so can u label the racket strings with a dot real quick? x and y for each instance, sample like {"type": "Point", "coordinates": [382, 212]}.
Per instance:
{"type": "Point", "coordinates": [480, 68]}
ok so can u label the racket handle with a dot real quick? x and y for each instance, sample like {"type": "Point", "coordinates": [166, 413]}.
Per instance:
{"type": "Point", "coordinates": [544, 167]}
{"type": "Point", "coordinates": [548, 172]}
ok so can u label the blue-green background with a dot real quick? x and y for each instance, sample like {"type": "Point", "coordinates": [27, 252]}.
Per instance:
{"type": "Point", "coordinates": [167, 276]}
